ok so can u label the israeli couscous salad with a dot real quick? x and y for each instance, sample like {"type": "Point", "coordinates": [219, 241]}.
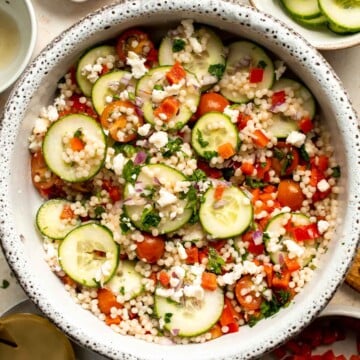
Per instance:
{"type": "Point", "coordinates": [189, 188]}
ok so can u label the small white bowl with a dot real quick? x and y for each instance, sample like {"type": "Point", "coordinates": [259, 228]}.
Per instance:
{"type": "Point", "coordinates": [20, 12]}
{"type": "Point", "coordinates": [321, 38]}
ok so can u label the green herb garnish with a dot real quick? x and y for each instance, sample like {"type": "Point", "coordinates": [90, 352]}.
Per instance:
{"type": "Point", "coordinates": [262, 64]}
{"type": "Point", "coordinates": [158, 87]}
{"type": "Point", "coordinates": [215, 261]}
{"type": "Point", "coordinates": [167, 317]}
{"type": "Point", "coordinates": [216, 70]}
{"type": "Point", "coordinates": [130, 172]}
{"type": "Point", "coordinates": [198, 175]}
{"type": "Point", "coordinates": [336, 172]}
{"type": "Point", "coordinates": [5, 284]}
{"type": "Point", "coordinates": [200, 139]}
{"type": "Point", "coordinates": [78, 133]}
{"type": "Point", "coordinates": [178, 45]}
{"type": "Point", "coordinates": [125, 224]}
{"type": "Point", "coordinates": [304, 154]}
{"type": "Point", "coordinates": [172, 147]}
{"type": "Point", "coordinates": [98, 211]}
{"type": "Point", "coordinates": [254, 183]}
{"type": "Point", "coordinates": [208, 155]}
{"type": "Point", "coordinates": [150, 219]}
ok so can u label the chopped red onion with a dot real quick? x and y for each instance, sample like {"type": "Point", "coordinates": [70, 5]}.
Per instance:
{"type": "Point", "coordinates": [156, 181]}
{"type": "Point", "coordinates": [175, 332]}
{"type": "Point", "coordinates": [139, 112]}
{"type": "Point", "coordinates": [138, 101]}
{"type": "Point", "coordinates": [140, 158]}
{"type": "Point", "coordinates": [281, 259]}
{"type": "Point", "coordinates": [258, 237]}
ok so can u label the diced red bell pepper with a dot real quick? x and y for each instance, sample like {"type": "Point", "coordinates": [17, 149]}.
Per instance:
{"type": "Point", "coordinates": [192, 255]}
{"type": "Point", "coordinates": [242, 120]}
{"type": "Point", "coordinates": [209, 171]}
{"type": "Point", "coordinates": [228, 315]}
{"type": "Point", "coordinates": [233, 327]}
{"type": "Point", "coordinates": [278, 98]}
{"type": "Point", "coordinates": [305, 232]}
{"type": "Point", "coordinates": [175, 74]}
{"type": "Point", "coordinates": [292, 264]}
{"type": "Point", "coordinates": [306, 125]}
{"type": "Point", "coordinates": [323, 162]}
{"type": "Point", "coordinates": [281, 280]}
{"type": "Point", "coordinates": [256, 75]}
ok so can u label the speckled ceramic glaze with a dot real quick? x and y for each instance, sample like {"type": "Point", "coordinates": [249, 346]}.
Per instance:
{"type": "Point", "coordinates": [19, 201]}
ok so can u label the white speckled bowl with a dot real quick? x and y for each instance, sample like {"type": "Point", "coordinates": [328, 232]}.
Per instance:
{"type": "Point", "coordinates": [19, 201]}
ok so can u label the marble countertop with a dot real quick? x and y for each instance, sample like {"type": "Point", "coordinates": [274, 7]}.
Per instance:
{"type": "Point", "coordinates": [55, 16]}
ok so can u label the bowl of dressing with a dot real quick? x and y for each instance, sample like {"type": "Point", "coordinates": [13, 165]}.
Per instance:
{"type": "Point", "coordinates": [17, 39]}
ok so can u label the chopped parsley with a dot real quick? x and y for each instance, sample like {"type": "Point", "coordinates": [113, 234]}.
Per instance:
{"type": "Point", "coordinates": [208, 155]}
{"type": "Point", "coordinates": [198, 175]}
{"type": "Point", "coordinates": [167, 317]}
{"type": "Point", "coordinates": [289, 158]}
{"type": "Point", "coordinates": [216, 70]}
{"type": "Point", "coordinates": [336, 172]}
{"type": "Point", "coordinates": [255, 184]}
{"type": "Point", "coordinates": [278, 154]}
{"type": "Point", "coordinates": [304, 154]}
{"type": "Point", "coordinates": [200, 139]}
{"type": "Point", "coordinates": [228, 173]}
{"type": "Point", "coordinates": [215, 261]}
{"type": "Point", "coordinates": [98, 211]}
{"type": "Point", "coordinates": [148, 192]}
{"type": "Point", "coordinates": [130, 172]}
{"type": "Point", "coordinates": [125, 224]}
{"type": "Point", "coordinates": [178, 45]}
{"type": "Point", "coordinates": [262, 64]}
{"type": "Point", "coordinates": [78, 133]}
{"type": "Point", "coordinates": [172, 147]}
{"type": "Point", "coordinates": [150, 219]}
{"type": "Point", "coordinates": [5, 284]}
{"type": "Point", "coordinates": [158, 87]}
{"type": "Point", "coordinates": [122, 291]}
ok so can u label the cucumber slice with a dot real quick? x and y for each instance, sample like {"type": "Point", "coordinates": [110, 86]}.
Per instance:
{"type": "Point", "coordinates": [126, 280]}
{"type": "Point", "coordinates": [314, 22]}
{"type": "Point", "coordinates": [150, 177]}
{"type": "Point", "coordinates": [101, 88]}
{"type": "Point", "coordinates": [54, 148]}
{"type": "Point", "coordinates": [48, 219]}
{"type": "Point", "coordinates": [157, 77]}
{"type": "Point", "coordinates": [89, 255]}
{"type": "Point", "coordinates": [200, 63]}
{"type": "Point", "coordinates": [212, 130]}
{"type": "Point", "coordinates": [300, 91]}
{"type": "Point", "coordinates": [275, 226]}
{"type": "Point", "coordinates": [304, 9]}
{"type": "Point", "coordinates": [243, 56]}
{"type": "Point", "coordinates": [282, 126]}
{"type": "Point", "coordinates": [90, 58]}
{"type": "Point", "coordinates": [337, 29]}
{"type": "Point", "coordinates": [345, 14]}
{"type": "Point", "coordinates": [227, 217]}
{"type": "Point", "coordinates": [190, 318]}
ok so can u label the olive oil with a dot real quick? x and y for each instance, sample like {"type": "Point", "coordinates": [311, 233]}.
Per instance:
{"type": "Point", "coordinates": [9, 40]}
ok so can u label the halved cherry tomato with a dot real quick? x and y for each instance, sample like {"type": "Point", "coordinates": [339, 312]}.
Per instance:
{"type": "Point", "coordinates": [119, 124]}
{"type": "Point", "coordinates": [248, 301]}
{"type": "Point", "coordinates": [211, 102]}
{"type": "Point", "coordinates": [41, 175]}
{"type": "Point", "coordinates": [285, 159]}
{"type": "Point", "coordinates": [151, 249]}
{"type": "Point", "coordinates": [78, 107]}
{"type": "Point", "coordinates": [134, 40]}
{"type": "Point", "coordinates": [290, 194]}
{"type": "Point", "coordinates": [209, 171]}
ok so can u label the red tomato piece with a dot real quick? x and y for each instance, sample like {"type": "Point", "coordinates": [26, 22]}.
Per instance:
{"type": "Point", "coordinates": [151, 249]}
{"type": "Point", "coordinates": [306, 125]}
{"type": "Point", "coordinates": [248, 301]}
{"type": "Point", "coordinates": [278, 98]}
{"type": "Point", "coordinates": [256, 75]}
{"type": "Point", "coordinates": [211, 102]}
{"type": "Point", "coordinates": [290, 194]}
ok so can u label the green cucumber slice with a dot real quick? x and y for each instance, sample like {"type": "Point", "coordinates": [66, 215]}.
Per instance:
{"type": "Point", "coordinates": [157, 77]}
{"type": "Point", "coordinates": [314, 22]}
{"type": "Point", "coordinates": [227, 217]}
{"type": "Point", "coordinates": [212, 130]}
{"type": "Point", "coordinates": [276, 224]}
{"type": "Point", "coordinates": [345, 14]}
{"type": "Point", "coordinates": [89, 255]}
{"type": "Point", "coordinates": [305, 9]}
{"type": "Point", "coordinates": [101, 89]}
{"type": "Point", "coordinates": [193, 317]}
{"type": "Point", "coordinates": [48, 219]}
{"type": "Point", "coordinates": [200, 63]}
{"type": "Point", "coordinates": [300, 91]}
{"type": "Point", "coordinates": [54, 148]}
{"type": "Point", "coordinates": [126, 280]}
{"type": "Point", "coordinates": [150, 177]}
{"type": "Point", "coordinates": [90, 58]}
{"type": "Point", "coordinates": [243, 56]}
{"type": "Point", "coordinates": [337, 29]}
{"type": "Point", "coordinates": [282, 126]}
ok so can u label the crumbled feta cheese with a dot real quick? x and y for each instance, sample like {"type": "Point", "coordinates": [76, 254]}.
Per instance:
{"type": "Point", "coordinates": [322, 226]}
{"type": "Point", "coordinates": [166, 198]}
{"type": "Point", "coordinates": [138, 68]}
{"type": "Point", "coordinates": [296, 138]}
{"type": "Point", "coordinates": [41, 126]}
{"type": "Point", "coordinates": [250, 267]}
{"type": "Point", "coordinates": [310, 148]}
{"type": "Point", "coordinates": [158, 96]}
{"type": "Point", "coordinates": [323, 185]}
{"type": "Point", "coordinates": [164, 292]}
{"type": "Point", "coordinates": [179, 271]}
{"type": "Point", "coordinates": [208, 80]}
{"type": "Point", "coordinates": [174, 282]}
{"type": "Point", "coordinates": [195, 291]}
{"type": "Point", "coordinates": [159, 139]}
{"type": "Point", "coordinates": [196, 46]}
{"type": "Point", "coordinates": [181, 251]}
{"type": "Point", "coordinates": [118, 163]}
{"type": "Point", "coordinates": [295, 250]}
{"type": "Point", "coordinates": [188, 27]}
{"type": "Point", "coordinates": [232, 113]}
{"type": "Point", "coordinates": [144, 130]}
{"type": "Point", "coordinates": [280, 69]}
{"type": "Point", "coordinates": [174, 89]}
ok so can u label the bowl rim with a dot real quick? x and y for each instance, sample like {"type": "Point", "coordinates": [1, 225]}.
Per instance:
{"type": "Point", "coordinates": [7, 238]}
{"type": "Point", "coordinates": [347, 41]}
{"type": "Point", "coordinates": [30, 48]}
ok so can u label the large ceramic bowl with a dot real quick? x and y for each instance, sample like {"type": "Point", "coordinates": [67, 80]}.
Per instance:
{"type": "Point", "coordinates": [19, 200]}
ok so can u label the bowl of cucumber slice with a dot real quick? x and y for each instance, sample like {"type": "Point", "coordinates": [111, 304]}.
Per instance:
{"type": "Point", "coordinates": [326, 24]}
{"type": "Point", "coordinates": [179, 181]}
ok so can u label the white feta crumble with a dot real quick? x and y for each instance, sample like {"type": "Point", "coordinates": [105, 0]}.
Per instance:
{"type": "Point", "coordinates": [280, 69]}
{"type": "Point", "coordinates": [179, 271]}
{"type": "Point", "coordinates": [232, 113]}
{"type": "Point", "coordinates": [138, 68]}
{"type": "Point", "coordinates": [164, 292]}
{"type": "Point", "coordinates": [159, 139]}
{"type": "Point", "coordinates": [195, 44]}
{"type": "Point", "coordinates": [195, 291]}
{"type": "Point", "coordinates": [166, 198]}
{"type": "Point", "coordinates": [144, 130]}
{"type": "Point", "coordinates": [323, 185]}
{"type": "Point", "coordinates": [296, 138]}
{"type": "Point", "coordinates": [250, 267]}
{"type": "Point", "coordinates": [158, 96]}
{"type": "Point", "coordinates": [119, 162]}
{"type": "Point", "coordinates": [188, 27]}
{"type": "Point", "coordinates": [181, 251]}
{"type": "Point", "coordinates": [41, 125]}
{"type": "Point", "coordinates": [295, 250]}
{"type": "Point", "coordinates": [322, 226]}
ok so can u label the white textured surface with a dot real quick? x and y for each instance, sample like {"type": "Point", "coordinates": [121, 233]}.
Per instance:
{"type": "Point", "coordinates": [53, 17]}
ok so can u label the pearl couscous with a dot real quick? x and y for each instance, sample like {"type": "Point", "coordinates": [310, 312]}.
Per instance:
{"type": "Point", "coordinates": [190, 188]}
